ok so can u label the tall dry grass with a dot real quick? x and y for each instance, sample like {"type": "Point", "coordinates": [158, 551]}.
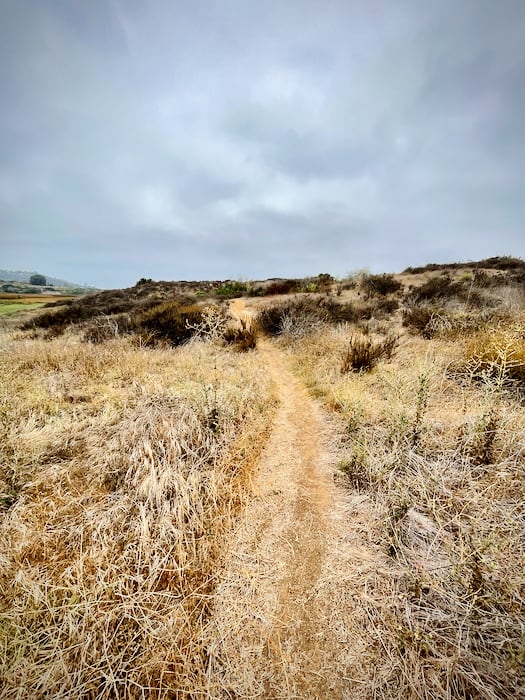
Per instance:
{"type": "Point", "coordinates": [433, 462]}
{"type": "Point", "coordinates": [122, 470]}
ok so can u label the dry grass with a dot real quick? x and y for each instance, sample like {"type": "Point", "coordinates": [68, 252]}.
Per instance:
{"type": "Point", "coordinates": [497, 355]}
{"type": "Point", "coordinates": [123, 469]}
{"type": "Point", "coordinates": [434, 473]}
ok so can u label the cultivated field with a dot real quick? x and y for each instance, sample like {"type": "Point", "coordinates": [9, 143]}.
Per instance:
{"type": "Point", "coordinates": [315, 494]}
{"type": "Point", "coordinates": [12, 303]}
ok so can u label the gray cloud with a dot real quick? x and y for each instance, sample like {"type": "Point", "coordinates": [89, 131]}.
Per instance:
{"type": "Point", "coordinates": [221, 139]}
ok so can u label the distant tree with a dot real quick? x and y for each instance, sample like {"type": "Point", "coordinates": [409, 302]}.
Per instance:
{"type": "Point", "coordinates": [324, 281]}
{"type": "Point", "coordinates": [143, 280]}
{"type": "Point", "coordinates": [38, 279]}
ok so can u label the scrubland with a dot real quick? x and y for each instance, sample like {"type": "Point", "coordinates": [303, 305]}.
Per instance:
{"type": "Point", "coordinates": [122, 469]}
{"type": "Point", "coordinates": [433, 451]}
{"type": "Point", "coordinates": [130, 436]}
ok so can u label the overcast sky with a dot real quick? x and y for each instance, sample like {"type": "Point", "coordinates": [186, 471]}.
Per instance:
{"type": "Point", "coordinates": [219, 139]}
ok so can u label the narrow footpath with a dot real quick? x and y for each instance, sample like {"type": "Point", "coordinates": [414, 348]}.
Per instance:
{"type": "Point", "coordinates": [278, 629]}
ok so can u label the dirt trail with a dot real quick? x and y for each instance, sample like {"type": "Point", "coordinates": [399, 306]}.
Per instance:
{"type": "Point", "coordinates": [273, 632]}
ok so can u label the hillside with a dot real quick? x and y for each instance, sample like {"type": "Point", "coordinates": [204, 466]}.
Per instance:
{"type": "Point", "coordinates": [281, 489]}
{"type": "Point", "coordinates": [25, 276]}
{"type": "Point", "coordinates": [502, 262]}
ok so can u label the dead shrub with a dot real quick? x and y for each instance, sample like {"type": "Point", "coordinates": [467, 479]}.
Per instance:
{"type": "Point", "coordinates": [298, 317]}
{"type": "Point", "coordinates": [362, 354]}
{"type": "Point", "coordinates": [384, 307]}
{"type": "Point", "coordinates": [443, 287]}
{"type": "Point", "coordinates": [242, 339]}
{"type": "Point", "coordinates": [380, 285]}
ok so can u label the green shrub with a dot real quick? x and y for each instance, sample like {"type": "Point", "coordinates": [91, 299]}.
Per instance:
{"type": "Point", "coordinates": [270, 318]}
{"type": "Point", "coordinates": [355, 469]}
{"type": "Point", "coordinates": [282, 287]}
{"type": "Point", "coordinates": [502, 262]}
{"type": "Point", "coordinates": [231, 289]}
{"type": "Point", "coordinates": [481, 447]}
{"type": "Point", "coordinates": [433, 321]}
{"type": "Point", "coordinates": [384, 307]}
{"type": "Point", "coordinates": [257, 291]}
{"type": "Point", "coordinates": [445, 288]}
{"type": "Point", "coordinates": [416, 319]}
{"type": "Point", "coordinates": [324, 282]}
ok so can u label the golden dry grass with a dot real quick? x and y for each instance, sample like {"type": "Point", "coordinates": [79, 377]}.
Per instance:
{"type": "Point", "coordinates": [122, 469]}
{"type": "Point", "coordinates": [126, 488]}
{"type": "Point", "coordinates": [433, 465]}
{"type": "Point", "coordinates": [497, 355]}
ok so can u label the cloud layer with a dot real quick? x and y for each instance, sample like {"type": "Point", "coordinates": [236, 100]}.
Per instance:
{"type": "Point", "coordinates": [219, 139]}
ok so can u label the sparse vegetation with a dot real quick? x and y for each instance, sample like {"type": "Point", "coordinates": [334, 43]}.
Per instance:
{"type": "Point", "coordinates": [434, 441]}
{"type": "Point", "coordinates": [128, 458]}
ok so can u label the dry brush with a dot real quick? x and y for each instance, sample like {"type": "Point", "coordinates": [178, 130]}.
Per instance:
{"type": "Point", "coordinates": [122, 470]}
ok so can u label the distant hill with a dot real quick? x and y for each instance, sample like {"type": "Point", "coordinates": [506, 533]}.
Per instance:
{"type": "Point", "coordinates": [502, 262]}
{"type": "Point", "coordinates": [25, 275]}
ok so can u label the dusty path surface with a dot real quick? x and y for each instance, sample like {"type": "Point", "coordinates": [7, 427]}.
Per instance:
{"type": "Point", "coordinates": [278, 628]}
